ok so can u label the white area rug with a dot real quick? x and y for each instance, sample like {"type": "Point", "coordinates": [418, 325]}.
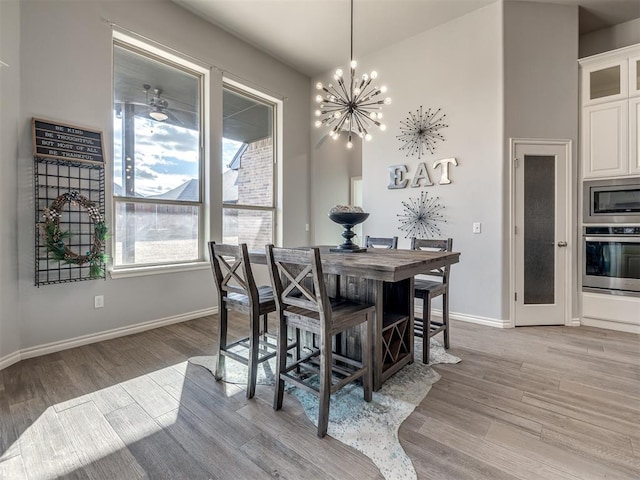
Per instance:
{"type": "Point", "coordinates": [370, 428]}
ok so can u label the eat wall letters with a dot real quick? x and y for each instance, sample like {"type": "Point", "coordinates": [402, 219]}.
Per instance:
{"type": "Point", "coordinates": [398, 174]}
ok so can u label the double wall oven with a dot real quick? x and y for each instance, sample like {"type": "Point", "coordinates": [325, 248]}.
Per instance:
{"type": "Point", "coordinates": [611, 236]}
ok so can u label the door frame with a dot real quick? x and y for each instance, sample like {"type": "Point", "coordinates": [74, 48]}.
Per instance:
{"type": "Point", "coordinates": [569, 226]}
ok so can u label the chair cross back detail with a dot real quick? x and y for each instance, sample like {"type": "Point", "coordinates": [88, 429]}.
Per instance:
{"type": "Point", "coordinates": [313, 294]}
{"type": "Point", "coordinates": [235, 277]}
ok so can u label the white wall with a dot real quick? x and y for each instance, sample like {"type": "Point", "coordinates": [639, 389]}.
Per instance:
{"type": "Point", "coordinates": [618, 36]}
{"type": "Point", "coordinates": [332, 168]}
{"type": "Point", "coordinates": [456, 67]}
{"type": "Point", "coordinates": [541, 92]}
{"type": "Point", "coordinates": [9, 118]}
{"type": "Point", "coordinates": [67, 75]}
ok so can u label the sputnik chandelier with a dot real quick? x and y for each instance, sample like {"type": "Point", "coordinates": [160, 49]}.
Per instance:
{"type": "Point", "coordinates": [353, 104]}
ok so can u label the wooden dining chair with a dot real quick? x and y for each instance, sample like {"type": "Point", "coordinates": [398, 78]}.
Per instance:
{"type": "Point", "coordinates": [302, 303]}
{"type": "Point", "coordinates": [390, 243]}
{"type": "Point", "coordinates": [237, 291]}
{"type": "Point", "coordinates": [426, 290]}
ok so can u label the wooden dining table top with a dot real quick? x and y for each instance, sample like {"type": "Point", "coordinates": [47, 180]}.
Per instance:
{"type": "Point", "coordinates": [377, 263]}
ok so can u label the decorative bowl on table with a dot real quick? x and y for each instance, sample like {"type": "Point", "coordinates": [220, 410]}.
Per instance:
{"type": "Point", "coordinates": [348, 217]}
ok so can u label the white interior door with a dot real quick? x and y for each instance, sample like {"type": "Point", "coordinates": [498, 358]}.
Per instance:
{"type": "Point", "coordinates": [541, 233]}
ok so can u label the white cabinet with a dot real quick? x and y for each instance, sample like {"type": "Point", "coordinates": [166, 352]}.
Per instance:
{"type": "Point", "coordinates": [605, 81]}
{"type": "Point", "coordinates": [604, 139]}
{"type": "Point", "coordinates": [609, 129]}
{"type": "Point", "coordinates": [634, 136]}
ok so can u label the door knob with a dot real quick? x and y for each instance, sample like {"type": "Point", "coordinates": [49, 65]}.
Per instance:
{"type": "Point", "coordinates": [562, 244]}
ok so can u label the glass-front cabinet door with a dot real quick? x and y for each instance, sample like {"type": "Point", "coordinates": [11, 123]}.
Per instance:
{"type": "Point", "coordinates": [605, 82]}
{"type": "Point", "coordinates": [634, 76]}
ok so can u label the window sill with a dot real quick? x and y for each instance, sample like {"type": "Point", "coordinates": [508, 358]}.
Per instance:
{"type": "Point", "coordinates": [157, 270]}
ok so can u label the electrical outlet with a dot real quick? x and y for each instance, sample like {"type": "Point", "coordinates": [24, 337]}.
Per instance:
{"type": "Point", "coordinates": [477, 227]}
{"type": "Point", "coordinates": [98, 301]}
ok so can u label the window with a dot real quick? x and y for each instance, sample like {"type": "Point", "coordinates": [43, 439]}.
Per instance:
{"type": "Point", "coordinates": [249, 153]}
{"type": "Point", "coordinates": [158, 164]}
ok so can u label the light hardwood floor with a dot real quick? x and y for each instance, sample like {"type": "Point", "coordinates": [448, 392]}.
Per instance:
{"type": "Point", "coordinates": [528, 403]}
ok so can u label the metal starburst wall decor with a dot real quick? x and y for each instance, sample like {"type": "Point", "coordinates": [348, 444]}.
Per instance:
{"type": "Point", "coordinates": [419, 131]}
{"type": "Point", "coordinates": [421, 217]}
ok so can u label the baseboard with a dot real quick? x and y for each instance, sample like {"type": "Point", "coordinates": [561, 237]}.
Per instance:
{"type": "Point", "coordinates": [463, 317]}
{"type": "Point", "coordinates": [574, 322]}
{"type": "Point", "coordinates": [99, 337]}
{"type": "Point", "coordinates": [611, 325]}
{"type": "Point", "coordinates": [10, 359]}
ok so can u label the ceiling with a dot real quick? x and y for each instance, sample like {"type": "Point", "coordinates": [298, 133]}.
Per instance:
{"type": "Point", "coordinates": [312, 36]}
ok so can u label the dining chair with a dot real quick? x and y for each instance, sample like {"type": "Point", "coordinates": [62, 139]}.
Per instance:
{"type": "Point", "coordinates": [302, 303]}
{"type": "Point", "coordinates": [237, 291]}
{"type": "Point", "coordinates": [381, 242]}
{"type": "Point", "coordinates": [426, 290]}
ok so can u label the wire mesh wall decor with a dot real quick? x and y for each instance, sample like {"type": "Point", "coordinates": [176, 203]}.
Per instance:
{"type": "Point", "coordinates": [421, 217]}
{"type": "Point", "coordinates": [69, 190]}
{"type": "Point", "coordinates": [69, 212]}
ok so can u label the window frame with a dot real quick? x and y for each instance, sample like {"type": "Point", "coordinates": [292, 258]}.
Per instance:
{"type": "Point", "coordinates": [165, 57]}
{"type": "Point", "coordinates": [276, 105]}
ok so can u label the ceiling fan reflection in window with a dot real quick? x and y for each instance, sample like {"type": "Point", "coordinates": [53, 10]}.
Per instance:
{"type": "Point", "coordinates": [158, 105]}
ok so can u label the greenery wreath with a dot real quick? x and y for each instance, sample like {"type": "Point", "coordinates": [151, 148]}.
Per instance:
{"type": "Point", "coordinates": [55, 237]}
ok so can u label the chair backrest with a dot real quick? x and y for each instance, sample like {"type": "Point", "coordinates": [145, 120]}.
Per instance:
{"type": "Point", "coordinates": [435, 245]}
{"type": "Point", "coordinates": [232, 270]}
{"type": "Point", "coordinates": [297, 280]}
{"type": "Point", "coordinates": [381, 242]}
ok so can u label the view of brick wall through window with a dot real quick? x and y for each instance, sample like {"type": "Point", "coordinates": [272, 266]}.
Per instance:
{"type": "Point", "coordinates": [255, 187]}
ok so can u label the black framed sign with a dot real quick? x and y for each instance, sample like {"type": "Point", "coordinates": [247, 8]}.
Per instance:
{"type": "Point", "coordinates": [62, 141]}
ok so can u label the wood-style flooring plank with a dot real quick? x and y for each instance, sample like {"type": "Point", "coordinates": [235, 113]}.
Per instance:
{"type": "Point", "coordinates": [12, 468]}
{"type": "Point", "coordinates": [521, 466]}
{"type": "Point", "coordinates": [155, 450]}
{"type": "Point", "coordinates": [101, 451]}
{"type": "Point", "coordinates": [45, 446]}
{"type": "Point", "coordinates": [583, 467]}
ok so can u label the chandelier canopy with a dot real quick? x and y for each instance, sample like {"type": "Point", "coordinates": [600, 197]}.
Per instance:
{"type": "Point", "coordinates": [353, 105]}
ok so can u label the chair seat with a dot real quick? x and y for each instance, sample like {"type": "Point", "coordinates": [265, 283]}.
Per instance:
{"type": "Point", "coordinates": [425, 287]}
{"type": "Point", "coordinates": [265, 296]}
{"type": "Point", "coordinates": [344, 313]}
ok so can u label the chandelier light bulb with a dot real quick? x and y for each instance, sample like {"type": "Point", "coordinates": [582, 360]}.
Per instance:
{"type": "Point", "coordinates": [383, 89]}
{"type": "Point", "coordinates": [353, 64]}
{"type": "Point", "coordinates": [337, 114]}
{"type": "Point", "coordinates": [367, 137]}
{"type": "Point", "coordinates": [356, 91]}
{"type": "Point", "coordinates": [387, 101]}
{"type": "Point", "coordinates": [319, 98]}
{"type": "Point", "coordinates": [365, 77]}
{"type": "Point", "coordinates": [349, 145]}
{"type": "Point", "coordinates": [374, 75]}
{"type": "Point", "coordinates": [339, 72]}
{"type": "Point", "coordinates": [373, 115]}
{"type": "Point", "coordinates": [318, 113]}
{"type": "Point", "coordinates": [319, 85]}
{"type": "Point", "coordinates": [383, 127]}
{"type": "Point", "coordinates": [379, 115]}
{"type": "Point", "coordinates": [318, 124]}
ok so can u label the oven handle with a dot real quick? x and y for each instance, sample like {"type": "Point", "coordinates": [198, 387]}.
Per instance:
{"type": "Point", "coordinates": [634, 239]}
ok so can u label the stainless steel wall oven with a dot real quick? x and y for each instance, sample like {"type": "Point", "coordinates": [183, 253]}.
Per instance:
{"type": "Point", "coordinates": [612, 259]}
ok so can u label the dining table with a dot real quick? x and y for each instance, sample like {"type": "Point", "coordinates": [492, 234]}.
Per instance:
{"type": "Point", "coordinates": [385, 279]}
